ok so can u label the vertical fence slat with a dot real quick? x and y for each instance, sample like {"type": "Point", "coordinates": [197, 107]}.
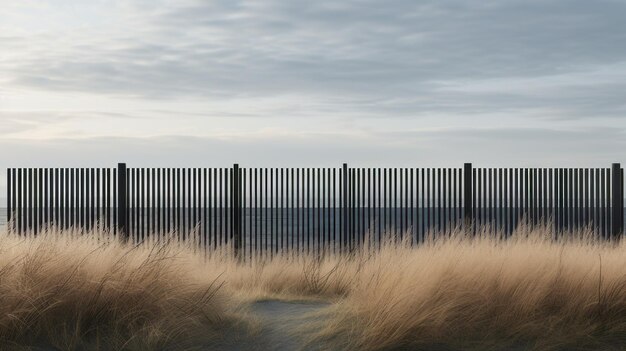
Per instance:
{"type": "Point", "coordinates": [107, 197]}
{"type": "Point", "coordinates": [335, 217]}
{"type": "Point", "coordinates": [276, 213]}
{"type": "Point", "coordinates": [29, 201]}
{"type": "Point", "coordinates": [350, 212]}
{"type": "Point", "coordinates": [428, 201]}
{"type": "Point", "coordinates": [589, 174]}
{"type": "Point", "coordinates": [46, 197]}
{"type": "Point", "coordinates": [114, 194]}
{"type": "Point", "coordinates": [320, 202]}
{"type": "Point", "coordinates": [9, 198]}
{"type": "Point", "coordinates": [309, 206]}
{"type": "Point", "coordinates": [66, 198]}
{"type": "Point", "coordinates": [580, 199]}
{"type": "Point", "coordinates": [479, 199]}
{"type": "Point", "coordinates": [242, 209]}
{"type": "Point", "coordinates": [256, 208]}
{"type": "Point", "coordinates": [508, 200]}
{"type": "Point", "coordinates": [601, 217]}
{"type": "Point", "coordinates": [544, 195]}
{"type": "Point", "coordinates": [61, 207]}
{"type": "Point", "coordinates": [81, 199]}
{"type": "Point", "coordinates": [474, 200]}
{"type": "Point", "coordinates": [184, 204]}
{"type": "Point", "coordinates": [536, 194]}
{"type": "Point", "coordinates": [169, 200]}
{"type": "Point", "coordinates": [587, 195]}
{"type": "Point", "coordinates": [247, 215]}
{"type": "Point", "coordinates": [282, 209]}
{"type": "Point", "coordinates": [356, 205]}
{"type": "Point", "coordinates": [617, 215]}
{"type": "Point", "coordinates": [205, 194]}
{"type": "Point", "coordinates": [518, 176]}
{"type": "Point", "coordinates": [69, 196]}
{"type": "Point", "coordinates": [505, 202]}
{"type": "Point", "coordinates": [330, 193]}
{"type": "Point", "coordinates": [40, 199]}
{"type": "Point", "coordinates": [467, 195]}
{"type": "Point", "coordinates": [97, 198]}
{"type": "Point", "coordinates": [272, 215]}
{"type": "Point", "coordinates": [363, 204]}
{"type": "Point", "coordinates": [151, 203]}
{"type": "Point", "coordinates": [192, 190]}
{"type": "Point", "coordinates": [570, 209]}
{"type": "Point", "coordinates": [438, 213]}
{"type": "Point", "coordinates": [456, 197]}
{"type": "Point", "coordinates": [263, 204]}
{"type": "Point", "coordinates": [159, 201]}
{"type": "Point", "coordinates": [300, 208]}
{"type": "Point", "coordinates": [379, 207]}
{"type": "Point", "coordinates": [175, 184]}
{"type": "Point", "coordinates": [413, 187]}
{"type": "Point", "coordinates": [318, 219]}
{"type": "Point", "coordinates": [236, 205]}
{"type": "Point", "coordinates": [607, 203]}
{"type": "Point", "coordinates": [133, 182]}
{"type": "Point", "coordinates": [19, 206]}
{"type": "Point", "coordinates": [344, 197]}
{"type": "Point", "coordinates": [533, 196]}
{"type": "Point", "coordinates": [511, 203]}
{"type": "Point", "coordinates": [384, 228]}
{"type": "Point", "coordinates": [211, 177]}
{"type": "Point", "coordinates": [122, 201]}
{"type": "Point", "coordinates": [368, 222]}
{"type": "Point", "coordinates": [132, 212]}
{"type": "Point", "coordinates": [574, 198]}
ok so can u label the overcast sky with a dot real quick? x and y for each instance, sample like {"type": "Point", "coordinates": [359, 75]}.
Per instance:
{"type": "Point", "coordinates": [312, 83]}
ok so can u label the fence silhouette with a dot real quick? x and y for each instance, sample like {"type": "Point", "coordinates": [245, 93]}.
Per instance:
{"type": "Point", "coordinates": [267, 210]}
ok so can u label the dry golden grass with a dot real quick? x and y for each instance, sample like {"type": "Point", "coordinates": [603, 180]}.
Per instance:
{"type": "Point", "coordinates": [89, 292]}
{"type": "Point", "coordinates": [528, 292]}
{"type": "Point", "coordinates": [459, 293]}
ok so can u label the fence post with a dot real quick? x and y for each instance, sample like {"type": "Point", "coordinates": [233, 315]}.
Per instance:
{"type": "Point", "coordinates": [9, 208]}
{"type": "Point", "coordinates": [236, 196]}
{"type": "Point", "coordinates": [344, 196]}
{"type": "Point", "coordinates": [617, 201]}
{"type": "Point", "coordinates": [122, 202]}
{"type": "Point", "coordinates": [467, 196]}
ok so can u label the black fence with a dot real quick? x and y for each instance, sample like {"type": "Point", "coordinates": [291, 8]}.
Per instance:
{"type": "Point", "coordinates": [267, 210]}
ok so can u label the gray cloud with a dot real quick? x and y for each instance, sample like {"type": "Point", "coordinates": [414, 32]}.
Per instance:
{"type": "Point", "coordinates": [372, 83]}
{"type": "Point", "coordinates": [385, 58]}
{"type": "Point", "coordinates": [440, 147]}
{"type": "Point", "coordinates": [16, 121]}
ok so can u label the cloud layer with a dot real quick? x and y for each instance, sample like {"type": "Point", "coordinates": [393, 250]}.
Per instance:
{"type": "Point", "coordinates": [282, 82]}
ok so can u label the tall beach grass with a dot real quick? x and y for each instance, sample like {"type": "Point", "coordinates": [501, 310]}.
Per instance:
{"type": "Point", "coordinates": [459, 292]}
{"type": "Point", "coordinates": [66, 291]}
{"type": "Point", "coordinates": [480, 293]}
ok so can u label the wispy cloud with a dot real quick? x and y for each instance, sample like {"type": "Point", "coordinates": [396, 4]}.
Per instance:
{"type": "Point", "coordinates": [264, 82]}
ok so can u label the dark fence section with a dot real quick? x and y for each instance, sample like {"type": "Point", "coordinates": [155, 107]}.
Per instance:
{"type": "Point", "coordinates": [567, 198]}
{"type": "Point", "coordinates": [268, 210]}
{"type": "Point", "coordinates": [80, 198]}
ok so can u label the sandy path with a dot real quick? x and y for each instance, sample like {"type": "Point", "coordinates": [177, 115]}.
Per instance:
{"type": "Point", "coordinates": [279, 323]}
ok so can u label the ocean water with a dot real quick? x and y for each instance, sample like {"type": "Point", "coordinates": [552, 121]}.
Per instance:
{"type": "Point", "coordinates": [286, 221]}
